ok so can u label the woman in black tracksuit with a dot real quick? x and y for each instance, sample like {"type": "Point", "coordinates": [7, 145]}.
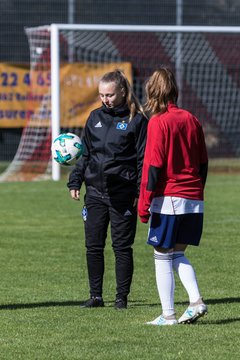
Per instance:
{"type": "Point", "coordinates": [114, 142]}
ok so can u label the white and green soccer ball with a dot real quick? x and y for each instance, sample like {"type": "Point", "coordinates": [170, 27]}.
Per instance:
{"type": "Point", "coordinates": [67, 149]}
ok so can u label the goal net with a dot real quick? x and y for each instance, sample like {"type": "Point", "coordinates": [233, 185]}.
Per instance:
{"type": "Point", "coordinates": [67, 61]}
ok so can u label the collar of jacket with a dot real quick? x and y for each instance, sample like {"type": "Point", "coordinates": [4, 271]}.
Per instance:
{"type": "Point", "coordinates": [120, 110]}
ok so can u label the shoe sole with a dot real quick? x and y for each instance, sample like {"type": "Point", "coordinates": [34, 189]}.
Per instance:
{"type": "Point", "coordinates": [194, 318]}
{"type": "Point", "coordinates": [149, 323]}
{"type": "Point", "coordinates": [120, 307]}
{"type": "Point", "coordinates": [91, 307]}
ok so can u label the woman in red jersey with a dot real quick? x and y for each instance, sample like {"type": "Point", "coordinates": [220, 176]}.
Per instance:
{"type": "Point", "coordinates": [171, 193]}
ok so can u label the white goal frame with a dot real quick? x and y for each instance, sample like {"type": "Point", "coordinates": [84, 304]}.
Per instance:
{"type": "Point", "coordinates": [54, 30]}
{"type": "Point", "coordinates": [26, 164]}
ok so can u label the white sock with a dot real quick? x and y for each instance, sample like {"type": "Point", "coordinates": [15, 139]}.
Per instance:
{"type": "Point", "coordinates": [187, 275]}
{"type": "Point", "coordinates": [165, 281]}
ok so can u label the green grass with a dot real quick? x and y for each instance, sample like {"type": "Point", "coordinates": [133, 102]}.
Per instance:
{"type": "Point", "coordinates": [44, 279]}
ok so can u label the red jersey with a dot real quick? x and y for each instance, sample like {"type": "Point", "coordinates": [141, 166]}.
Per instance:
{"type": "Point", "coordinates": [175, 151]}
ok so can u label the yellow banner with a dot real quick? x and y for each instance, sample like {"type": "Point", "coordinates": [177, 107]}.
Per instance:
{"type": "Point", "coordinates": [26, 100]}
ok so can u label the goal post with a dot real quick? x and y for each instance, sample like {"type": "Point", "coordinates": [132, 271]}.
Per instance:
{"type": "Point", "coordinates": [55, 91]}
{"type": "Point", "coordinates": [67, 61]}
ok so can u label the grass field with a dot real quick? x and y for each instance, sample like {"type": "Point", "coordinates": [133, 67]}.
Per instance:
{"type": "Point", "coordinates": [44, 280]}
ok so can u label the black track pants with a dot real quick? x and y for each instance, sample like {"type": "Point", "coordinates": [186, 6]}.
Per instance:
{"type": "Point", "coordinates": [122, 218]}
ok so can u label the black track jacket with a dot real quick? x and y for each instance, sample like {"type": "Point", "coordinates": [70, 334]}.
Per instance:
{"type": "Point", "coordinates": [111, 164]}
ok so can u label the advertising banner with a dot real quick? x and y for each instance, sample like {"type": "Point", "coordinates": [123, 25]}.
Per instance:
{"type": "Point", "coordinates": [25, 97]}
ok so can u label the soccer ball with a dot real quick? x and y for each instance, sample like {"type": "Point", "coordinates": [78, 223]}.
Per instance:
{"type": "Point", "coordinates": [67, 149]}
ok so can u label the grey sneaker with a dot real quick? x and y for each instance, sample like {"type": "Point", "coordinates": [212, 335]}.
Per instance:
{"type": "Point", "coordinates": [192, 313]}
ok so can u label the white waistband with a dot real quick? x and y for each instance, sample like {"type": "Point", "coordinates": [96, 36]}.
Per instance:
{"type": "Point", "coordinates": [172, 205]}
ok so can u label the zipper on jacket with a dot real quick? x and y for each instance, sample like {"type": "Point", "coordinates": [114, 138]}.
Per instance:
{"type": "Point", "coordinates": [111, 120]}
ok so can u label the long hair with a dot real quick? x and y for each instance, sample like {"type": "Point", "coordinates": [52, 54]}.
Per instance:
{"type": "Point", "coordinates": [119, 78]}
{"type": "Point", "coordinates": [160, 88]}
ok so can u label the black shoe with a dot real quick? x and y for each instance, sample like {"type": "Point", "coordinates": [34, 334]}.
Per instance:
{"type": "Point", "coordinates": [121, 303]}
{"type": "Point", "coordinates": [93, 302]}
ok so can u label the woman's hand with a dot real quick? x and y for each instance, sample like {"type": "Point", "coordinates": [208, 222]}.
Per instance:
{"type": "Point", "coordinates": [75, 194]}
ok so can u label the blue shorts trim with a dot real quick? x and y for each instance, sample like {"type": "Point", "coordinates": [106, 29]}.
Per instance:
{"type": "Point", "coordinates": [167, 230]}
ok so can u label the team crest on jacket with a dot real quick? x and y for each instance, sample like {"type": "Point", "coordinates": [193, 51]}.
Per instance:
{"type": "Point", "coordinates": [121, 126]}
